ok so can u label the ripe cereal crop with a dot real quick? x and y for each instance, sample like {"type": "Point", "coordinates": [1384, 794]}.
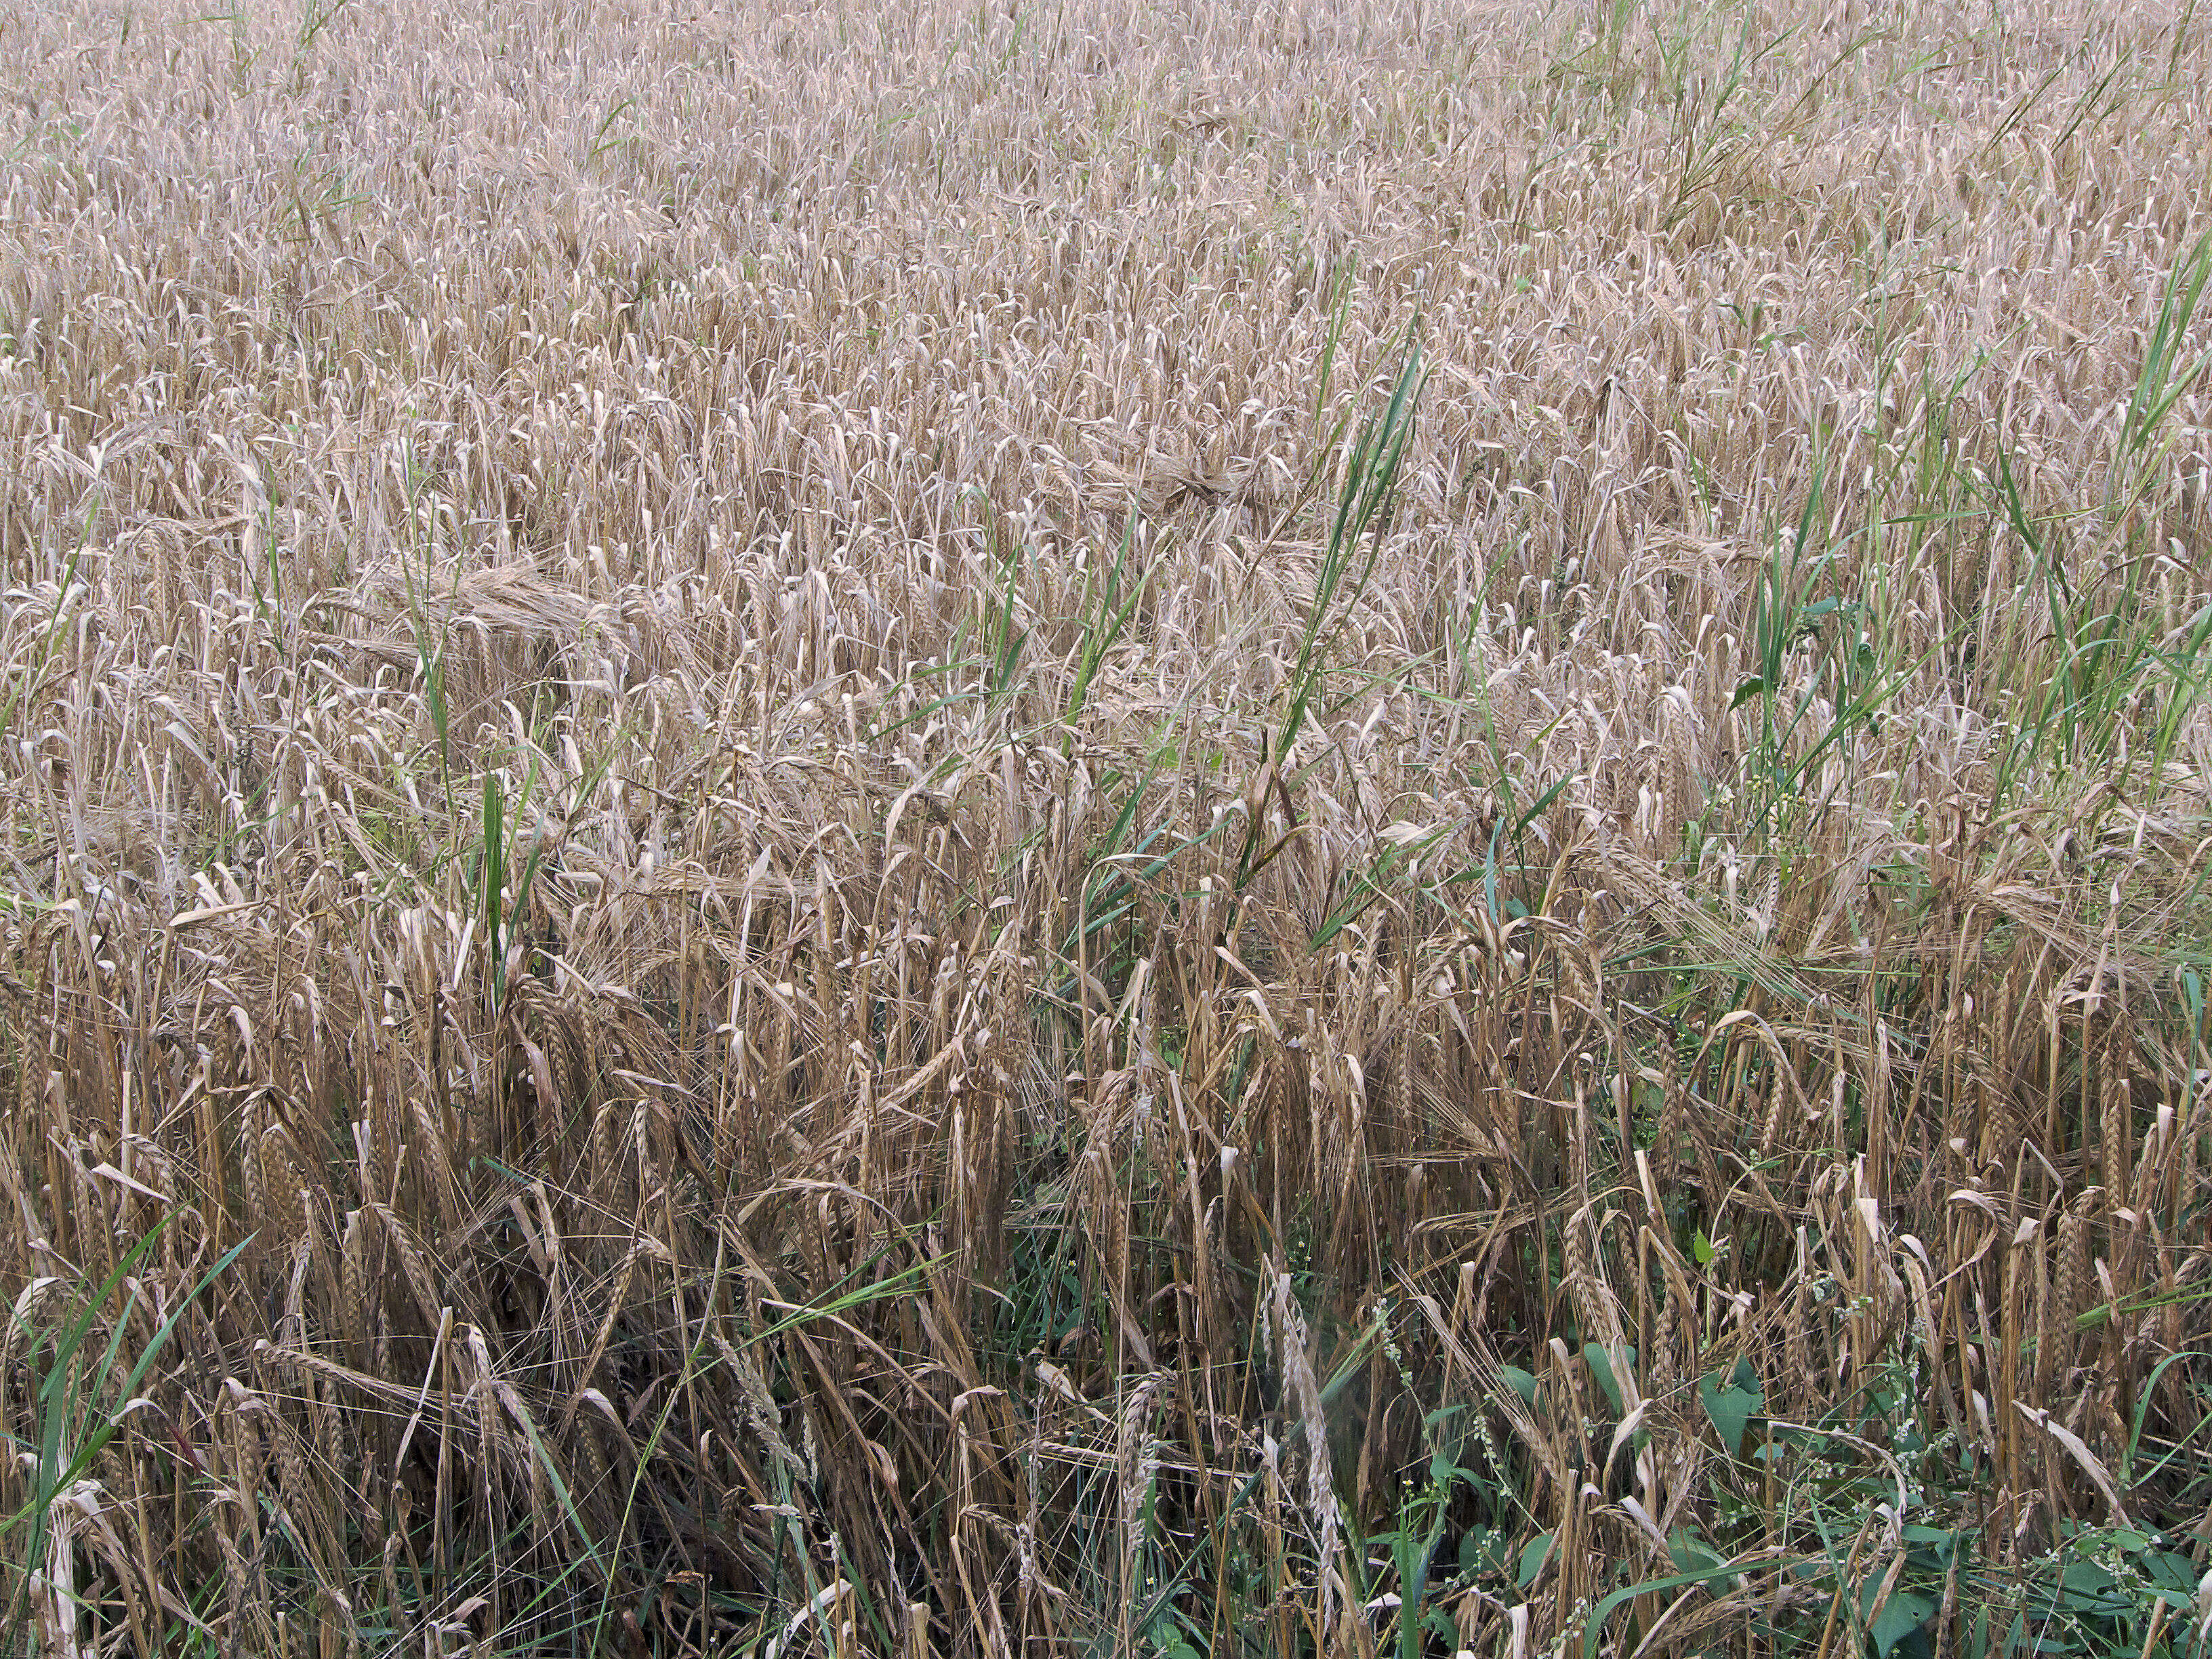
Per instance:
{"type": "Point", "coordinates": [940, 831]}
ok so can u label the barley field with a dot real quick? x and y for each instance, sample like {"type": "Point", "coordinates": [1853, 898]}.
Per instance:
{"type": "Point", "coordinates": [1358, 828]}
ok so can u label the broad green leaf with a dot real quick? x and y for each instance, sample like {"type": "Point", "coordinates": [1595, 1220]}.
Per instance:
{"type": "Point", "coordinates": [2171, 1571]}
{"type": "Point", "coordinates": [1691, 1552]}
{"type": "Point", "coordinates": [1601, 1365]}
{"type": "Point", "coordinates": [1731, 1404]}
{"type": "Point", "coordinates": [1902, 1614]}
{"type": "Point", "coordinates": [1485, 1549]}
{"type": "Point", "coordinates": [1533, 1556]}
